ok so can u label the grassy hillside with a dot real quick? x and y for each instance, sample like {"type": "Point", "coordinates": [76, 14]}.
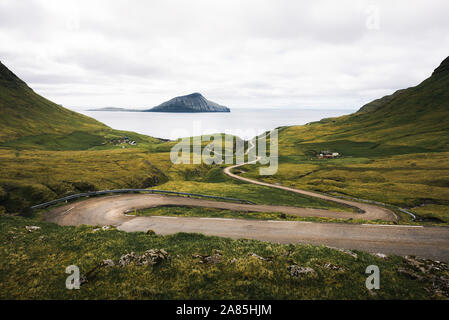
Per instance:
{"type": "Point", "coordinates": [30, 177]}
{"type": "Point", "coordinates": [394, 150]}
{"type": "Point", "coordinates": [32, 266]}
{"type": "Point", "coordinates": [410, 120]}
{"type": "Point", "coordinates": [25, 113]}
{"type": "Point", "coordinates": [28, 120]}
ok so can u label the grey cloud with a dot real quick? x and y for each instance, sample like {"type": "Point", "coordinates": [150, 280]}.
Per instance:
{"type": "Point", "coordinates": [247, 53]}
{"type": "Point", "coordinates": [111, 64]}
{"type": "Point", "coordinates": [52, 78]}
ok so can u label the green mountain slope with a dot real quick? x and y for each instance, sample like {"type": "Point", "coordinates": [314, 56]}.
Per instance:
{"type": "Point", "coordinates": [393, 150]}
{"type": "Point", "coordinates": [25, 113]}
{"type": "Point", "coordinates": [28, 120]}
{"type": "Point", "coordinates": [410, 120]}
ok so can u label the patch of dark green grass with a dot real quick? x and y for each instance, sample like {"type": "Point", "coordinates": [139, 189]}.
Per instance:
{"type": "Point", "coordinates": [186, 211]}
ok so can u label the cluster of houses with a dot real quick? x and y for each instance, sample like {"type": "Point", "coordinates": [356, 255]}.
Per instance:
{"type": "Point", "coordinates": [123, 140]}
{"type": "Point", "coordinates": [328, 155]}
{"type": "Point", "coordinates": [127, 140]}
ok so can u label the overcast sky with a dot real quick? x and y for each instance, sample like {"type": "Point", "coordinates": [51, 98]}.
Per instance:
{"type": "Point", "coordinates": [299, 54]}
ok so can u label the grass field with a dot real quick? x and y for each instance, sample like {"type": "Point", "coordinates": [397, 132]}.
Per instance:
{"type": "Point", "coordinates": [403, 180]}
{"type": "Point", "coordinates": [32, 177]}
{"type": "Point", "coordinates": [254, 193]}
{"type": "Point", "coordinates": [185, 211]}
{"type": "Point", "coordinates": [32, 266]}
{"type": "Point", "coordinates": [29, 177]}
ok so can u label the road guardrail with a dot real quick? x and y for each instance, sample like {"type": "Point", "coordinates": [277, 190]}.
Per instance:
{"type": "Point", "coordinates": [102, 192]}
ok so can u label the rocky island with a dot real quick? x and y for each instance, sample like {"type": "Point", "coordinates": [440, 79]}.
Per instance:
{"type": "Point", "coordinates": [194, 102]}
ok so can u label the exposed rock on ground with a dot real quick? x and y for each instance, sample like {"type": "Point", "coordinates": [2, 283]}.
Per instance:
{"type": "Point", "coordinates": [108, 263]}
{"type": "Point", "coordinates": [352, 254]}
{"type": "Point", "coordinates": [425, 265]}
{"type": "Point", "coordinates": [214, 258]}
{"type": "Point", "coordinates": [103, 228]}
{"type": "Point", "coordinates": [260, 258]}
{"type": "Point", "coordinates": [151, 257]}
{"type": "Point", "coordinates": [333, 267]}
{"type": "Point", "coordinates": [297, 271]}
{"type": "Point", "coordinates": [435, 273]}
{"type": "Point", "coordinates": [32, 228]}
{"type": "Point", "coordinates": [93, 272]}
{"type": "Point", "coordinates": [380, 255]}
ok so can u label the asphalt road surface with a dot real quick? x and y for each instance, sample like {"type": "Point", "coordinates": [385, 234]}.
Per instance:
{"type": "Point", "coordinates": [426, 242]}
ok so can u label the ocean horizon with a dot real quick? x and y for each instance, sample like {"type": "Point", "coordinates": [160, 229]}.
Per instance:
{"type": "Point", "coordinates": [243, 122]}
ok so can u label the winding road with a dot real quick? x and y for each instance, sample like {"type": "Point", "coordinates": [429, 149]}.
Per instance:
{"type": "Point", "coordinates": [426, 242]}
